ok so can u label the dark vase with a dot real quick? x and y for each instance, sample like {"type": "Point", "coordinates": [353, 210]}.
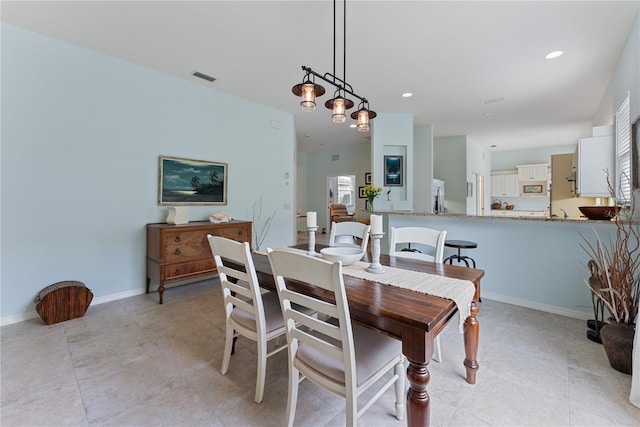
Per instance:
{"type": "Point", "coordinates": [617, 340]}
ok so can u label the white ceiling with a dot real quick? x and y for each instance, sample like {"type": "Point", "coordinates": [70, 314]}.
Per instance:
{"type": "Point", "coordinates": [452, 55]}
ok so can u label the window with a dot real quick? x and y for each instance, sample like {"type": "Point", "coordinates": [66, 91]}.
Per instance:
{"type": "Point", "coordinates": [342, 189]}
{"type": "Point", "coordinates": [623, 152]}
{"type": "Point", "coordinates": [346, 190]}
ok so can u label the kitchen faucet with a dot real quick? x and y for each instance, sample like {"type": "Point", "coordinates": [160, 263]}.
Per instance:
{"type": "Point", "coordinates": [566, 215]}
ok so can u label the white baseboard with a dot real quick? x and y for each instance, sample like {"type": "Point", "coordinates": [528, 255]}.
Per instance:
{"type": "Point", "coordinates": [562, 311]}
{"type": "Point", "coordinates": [8, 320]}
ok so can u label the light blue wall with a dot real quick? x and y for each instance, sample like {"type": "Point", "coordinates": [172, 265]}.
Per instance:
{"type": "Point", "coordinates": [352, 160]}
{"type": "Point", "coordinates": [392, 135]}
{"type": "Point", "coordinates": [626, 78]}
{"type": "Point", "coordinates": [423, 168]}
{"type": "Point", "coordinates": [537, 264]}
{"type": "Point", "coordinates": [81, 136]}
{"type": "Point", "coordinates": [508, 160]}
{"type": "Point", "coordinates": [450, 165]}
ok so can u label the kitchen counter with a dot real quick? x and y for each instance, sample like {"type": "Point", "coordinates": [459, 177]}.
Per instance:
{"type": "Point", "coordinates": [495, 217]}
{"type": "Point", "coordinates": [533, 262]}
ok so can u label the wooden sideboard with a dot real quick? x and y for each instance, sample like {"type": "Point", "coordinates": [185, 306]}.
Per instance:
{"type": "Point", "coordinates": [181, 252]}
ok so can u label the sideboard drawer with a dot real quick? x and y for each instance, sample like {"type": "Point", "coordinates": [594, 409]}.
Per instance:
{"type": "Point", "coordinates": [186, 246]}
{"type": "Point", "coordinates": [233, 234]}
{"type": "Point", "coordinates": [185, 269]}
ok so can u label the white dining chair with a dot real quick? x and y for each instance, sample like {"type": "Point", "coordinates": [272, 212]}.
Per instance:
{"type": "Point", "coordinates": [248, 312]}
{"type": "Point", "coordinates": [425, 239]}
{"type": "Point", "coordinates": [353, 234]}
{"type": "Point", "coordinates": [328, 350]}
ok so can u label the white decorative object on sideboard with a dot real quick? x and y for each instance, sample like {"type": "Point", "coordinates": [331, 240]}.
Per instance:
{"type": "Point", "coordinates": [178, 215]}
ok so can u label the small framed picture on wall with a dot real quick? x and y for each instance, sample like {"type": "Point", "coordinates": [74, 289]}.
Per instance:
{"type": "Point", "coordinates": [361, 193]}
{"type": "Point", "coordinates": [367, 178]}
{"type": "Point", "coordinates": [393, 172]}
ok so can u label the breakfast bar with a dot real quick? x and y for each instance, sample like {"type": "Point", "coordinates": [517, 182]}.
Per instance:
{"type": "Point", "coordinates": [531, 262]}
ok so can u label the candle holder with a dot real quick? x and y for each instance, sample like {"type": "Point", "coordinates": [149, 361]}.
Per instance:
{"type": "Point", "coordinates": [312, 241]}
{"type": "Point", "coordinates": [375, 266]}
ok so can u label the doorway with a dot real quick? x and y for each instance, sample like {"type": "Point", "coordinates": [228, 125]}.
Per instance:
{"type": "Point", "coordinates": [340, 189]}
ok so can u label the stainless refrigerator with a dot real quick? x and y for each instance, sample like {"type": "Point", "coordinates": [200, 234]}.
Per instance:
{"type": "Point", "coordinates": [438, 196]}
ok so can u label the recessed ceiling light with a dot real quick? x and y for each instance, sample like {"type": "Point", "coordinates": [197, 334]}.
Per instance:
{"type": "Point", "coordinates": [487, 114]}
{"type": "Point", "coordinates": [554, 54]}
{"type": "Point", "coordinates": [352, 125]}
{"type": "Point", "coordinates": [407, 95]}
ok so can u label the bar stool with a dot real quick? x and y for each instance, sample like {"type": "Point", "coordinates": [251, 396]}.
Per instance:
{"type": "Point", "coordinates": [460, 244]}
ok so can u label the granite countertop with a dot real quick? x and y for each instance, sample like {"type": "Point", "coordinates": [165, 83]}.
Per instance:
{"type": "Point", "coordinates": [493, 218]}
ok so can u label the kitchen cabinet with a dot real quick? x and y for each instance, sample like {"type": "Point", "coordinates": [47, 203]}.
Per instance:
{"type": "Point", "coordinates": [595, 157]}
{"type": "Point", "coordinates": [518, 214]}
{"type": "Point", "coordinates": [504, 185]}
{"type": "Point", "coordinates": [533, 173]}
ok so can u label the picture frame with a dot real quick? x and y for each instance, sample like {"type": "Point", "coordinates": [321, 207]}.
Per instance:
{"type": "Point", "coordinates": [361, 194]}
{"type": "Point", "coordinates": [367, 206]}
{"type": "Point", "coordinates": [191, 182]}
{"type": "Point", "coordinates": [367, 178]}
{"type": "Point", "coordinates": [393, 171]}
{"type": "Point", "coordinates": [532, 189]}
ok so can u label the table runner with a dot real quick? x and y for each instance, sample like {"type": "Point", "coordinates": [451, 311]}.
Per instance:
{"type": "Point", "coordinates": [461, 292]}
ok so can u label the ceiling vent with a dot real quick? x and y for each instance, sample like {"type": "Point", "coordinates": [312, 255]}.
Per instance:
{"type": "Point", "coordinates": [204, 76]}
{"type": "Point", "coordinates": [335, 157]}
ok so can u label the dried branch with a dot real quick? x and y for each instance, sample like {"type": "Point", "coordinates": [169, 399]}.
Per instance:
{"type": "Point", "coordinates": [616, 265]}
{"type": "Point", "coordinates": [260, 231]}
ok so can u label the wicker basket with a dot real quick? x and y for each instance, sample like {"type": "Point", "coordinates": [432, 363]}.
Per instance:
{"type": "Point", "coordinates": [63, 301]}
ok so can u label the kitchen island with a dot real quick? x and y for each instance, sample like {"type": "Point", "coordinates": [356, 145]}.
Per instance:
{"type": "Point", "coordinates": [528, 261]}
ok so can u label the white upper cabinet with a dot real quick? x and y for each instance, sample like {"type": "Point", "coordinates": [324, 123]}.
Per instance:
{"type": "Point", "coordinates": [533, 173]}
{"type": "Point", "coordinates": [504, 185]}
{"type": "Point", "coordinates": [595, 158]}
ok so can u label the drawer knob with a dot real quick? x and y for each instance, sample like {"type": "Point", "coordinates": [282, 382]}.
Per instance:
{"type": "Point", "coordinates": [177, 251]}
{"type": "Point", "coordinates": [177, 272]}
{"type": "Point", "coordinates": [240, 232]}
{"type": "Point", "coordinates": [177, 238]}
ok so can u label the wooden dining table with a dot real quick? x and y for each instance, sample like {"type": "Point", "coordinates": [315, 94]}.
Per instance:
{"type": "Point", "coordinates": [414, 318]}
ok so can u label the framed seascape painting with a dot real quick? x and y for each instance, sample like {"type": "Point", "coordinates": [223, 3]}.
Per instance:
{"type": "Point", "coordinates": [393, 171]}
{"type": "Point", "coordinates": [191, 182]}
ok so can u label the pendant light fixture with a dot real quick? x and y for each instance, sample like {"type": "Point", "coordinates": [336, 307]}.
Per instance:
{"type": "Point", "coordinates": [308, 90]}
{"type": "Point", "coordinates": [363, 116]}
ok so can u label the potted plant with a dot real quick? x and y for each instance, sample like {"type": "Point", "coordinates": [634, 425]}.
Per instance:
{"type": "Point", "coordinates": [615, 282]}
{"type": "Point", "coordinates": [371, 193]}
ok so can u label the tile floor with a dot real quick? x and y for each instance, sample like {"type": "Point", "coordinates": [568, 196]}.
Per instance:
{"type": "Point", "coordinates": [137, 363]}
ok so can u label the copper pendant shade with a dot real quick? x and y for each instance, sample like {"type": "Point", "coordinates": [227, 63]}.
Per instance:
{"type": "Point", "coordinates": [308, 91]}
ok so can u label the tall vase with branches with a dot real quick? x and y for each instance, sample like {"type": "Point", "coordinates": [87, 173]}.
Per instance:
{"type": "Point", "coordinates": [615, 272]}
